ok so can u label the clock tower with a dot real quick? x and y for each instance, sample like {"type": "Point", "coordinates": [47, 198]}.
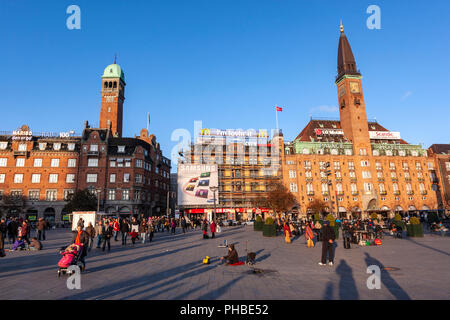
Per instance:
{"type": "Point", "coordinates": [352, 108]}
{"type": "Point", "coordinates": [113, 96]}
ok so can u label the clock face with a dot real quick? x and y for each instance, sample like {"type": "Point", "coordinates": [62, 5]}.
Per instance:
{"type": "Point", "coordinates": [354, 87]}
{"type": "Point", "coordinates": [342, 91]}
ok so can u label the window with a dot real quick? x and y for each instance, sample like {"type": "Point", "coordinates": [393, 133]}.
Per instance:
{"type": "Point", "coordinates": [72, 163]}
{"type": "Point", "coordinates": [112, 178]}
{"type": "Point", "coordinates": [348, 152]}
{"type": "Point", "coordinates": [393, 174]}
{"type": "Point", "coordinates": [354, 188]}
{"type": "Point", "coordinates": [50, 195]}
{"type": "Point", "coordinates": [305, 151]}
{"type": "Point", "coordinates": [55, 163]}
{"type": "Point", "coordinates": [392, 165]}
{"type": "Point", "coordinates": [112, 163]}
{"type": "Point", "coordinates": [20, 162]}
{"type": "Point", "coordinates": [292, 174]}
{"type": "Point", "coordinates": [365, 163]}
{"type": "Point", "coordinates": [309, 188]}
{"type": "Point", "coordinates": [339, 187]}
{"type": "Point", "coordinates": [37, 163]}
{"type": "Point", "coordinates": [402, 153]}
{"type": "Point", "coordinates": [36, 178]}
{"type": "Point", "coordinates": [111, 194]}
{"type": "Point", "coordinates": [366, 175]}
{"type": "Point", "coordinates": [92, 162]}
{"type": "Point", "coordinates": [376, 153]}
{"type": "Point", "coordinates": [338, 174]}
{"type": "Point", "coordinates": [70, 178]}
{"type": "Point", "coordinates": [42, 146]}
{"type": "Point", "coordinates": [352, 174]}
{"type": "Point", "coordinates": [126, 194]}
{"type": "Point", "coordinates": [379, 174]}
{"type": "Point", "coordinates": [389, 153]}
{"type": "Point", "coordinates": [368, 187]}
{"type": "Point", "coordinates": [447, 166]}
{"type": "Point", "coordinates": [351, 165]}
{"type": "Point", "coordinates": [289, 162]}
{"type": "Point", "coordinates": [379, 166]}
{"type": "Point", "coordinates": [293, 187]}
{"type": "Point", "coordinates": [337, 165]}
{"type": "Point", "coordinates": [308, 174]}
{"type": "Point", "coordinates": [395, 187]}
{"type": "Point", "coordinates": [3, 145]}
{"type": "Point", "coordinates": [127, 163]}
{"type": "Point", "coordinates": [126, 177]}
{"type": "Point", "coordinates": [382, 188]}
{"type": "Point", "coordinates": [93, 148]}
{"type": "Point", "coordinates": [363, 152]}
{"type": "Point", "coordinates": [91, 178]}
{"type": "Point", "coordinates": [53, 178]}
{"type": "Point", "coordinates": [138, 178]}
{"type": "Point", "coordinates": [405, 165]}
{"type": "Point", "coordinates": [68, 194]}
{"type": "Point", "coordinates": [324, 188]}
{"type": "Point", "coordinates": [23, 147]}
{"type": "Point", "coordinates": [71, 146]}
{"type": "Point", "coordinates": [33, 195]}
{"type": "Point", "coordinates": [18, 178]}
{"type": "Point", "coordinates": [56, 146]}
{"type": "Point", "coordinates": [121, 149]}
{"type": "Point", "coordinates": [2, 178]}
{"type": "Point", "coordinates": [307, 164]}
{"type": "Point", "coordinates": [138, 163]}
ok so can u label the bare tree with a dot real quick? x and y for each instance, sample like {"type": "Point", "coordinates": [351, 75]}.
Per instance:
{"type": "Point", "coordinates": [279, 198]}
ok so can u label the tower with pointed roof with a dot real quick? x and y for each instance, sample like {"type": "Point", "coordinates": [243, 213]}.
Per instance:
{"type": "Point", "coordinates": [352, 108]}
{"type": "Point", "coordinates": [113, 96]}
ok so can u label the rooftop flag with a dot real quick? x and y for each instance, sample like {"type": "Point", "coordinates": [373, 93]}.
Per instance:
{"type": "Point", "coordinates": [279, 108]}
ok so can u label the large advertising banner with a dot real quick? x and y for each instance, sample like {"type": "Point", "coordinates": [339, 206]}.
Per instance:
{"type": "Point", "coordinates": [194, 182]}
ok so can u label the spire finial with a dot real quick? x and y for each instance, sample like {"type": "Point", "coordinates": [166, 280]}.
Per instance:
{"type": "Point", "coordinates": [342, 27]}
{"type": "Point", "coordinates": [115, 58]}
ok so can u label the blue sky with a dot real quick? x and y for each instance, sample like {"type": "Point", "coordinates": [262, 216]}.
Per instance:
{"type": "Point", "coordinates": [227, 63]}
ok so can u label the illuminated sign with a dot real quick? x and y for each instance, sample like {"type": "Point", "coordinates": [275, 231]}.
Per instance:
{"type": "Point", "coordinates": [234, 133]}
{"type": "Point", "coordinates": [384, 135]}
{"type": "Point", "coordinates": [321, 132]}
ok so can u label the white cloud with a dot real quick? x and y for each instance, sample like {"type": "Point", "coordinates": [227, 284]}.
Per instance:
{"type": "Point", "coordinates": [406, 95]}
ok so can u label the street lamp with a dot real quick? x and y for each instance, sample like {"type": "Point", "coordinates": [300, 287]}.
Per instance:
{"type": "Point", "coordinates": [214, 190]}
{"type": "Point", "coordinates": [98, 199]}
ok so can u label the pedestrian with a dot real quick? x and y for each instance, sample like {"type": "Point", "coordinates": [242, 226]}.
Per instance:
{"type": "Point", "coordinates": [328, 238]}
{"type": "Point", "coordinates": [205, 230]}
{"type": "Point", "coordinates": [173, 226]}
{"type": "Point", "coordinates": [2, 240]}
{"type": "Point", "coordinates": [106, 235]}
{"type": "Point", "coordinates": [309, 234]}
{"type": "Point", "coordinates": [116, 228]}
{"type": "Point", "coordinates": [183, 224]}
{"type": "Point", "coordinates": [3, 230]}
{"type": "Point", "coordinates": [212, 227]}
{"type": "Point", "coordinates": [98, 231]}
{"type": "Point", "coordinates": [41, 229]}
{"type": "Point", "coordinates": [287, 233]}
{"type": "Point", "coordinates": [143, 230]}
{"type": "Point", "coordinates": [12, 230]}
{"type": "Point", "coordinates": [80, 237]}
{"type": "Point", "coordinates": [24, 232]}
{"type": "Point", "coordinates": [124, 229]}
{"type": "Point", "coordinates": [80, 223]}
{"type": "Point", "coordinates": [90, 230]}
{"type": "Point", "coordinates": [35, 244]}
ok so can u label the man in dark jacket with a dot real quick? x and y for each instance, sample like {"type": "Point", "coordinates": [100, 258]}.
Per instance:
{"type": "Point", "coordinates": [41, 229]}
{"type": "Point", "coordinates": [13, 229]}
{"type": "Point", "coordinates": [90, 230]}
{"type": "Point", "coordinates": [3, 230]}
{"type": "Point", "coordinates": [81, 236]}
{"type": "Point", "coordinates": [107, 232]}
{"type": "Point", "coordinates": [328, 238]}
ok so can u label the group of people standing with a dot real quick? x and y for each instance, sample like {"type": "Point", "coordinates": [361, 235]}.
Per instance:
{"type": "Point", "coordinates": [18, 231]}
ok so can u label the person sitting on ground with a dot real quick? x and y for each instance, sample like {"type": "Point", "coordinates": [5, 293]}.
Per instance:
{"type": "Point", "coordinates": [35, 245]}
{"type": "Point", "coordinates": [232, 256]}
{"type": "Point", "coordinates": [18, 244]}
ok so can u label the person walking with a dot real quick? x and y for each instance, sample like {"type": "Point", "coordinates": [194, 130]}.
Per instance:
{"type": "Point", "coordinates": [309, 234]}
{"type": "Point", "coordinates": [205, 230]}
{"type": "Point", "coordinates": [287, 233]}
{"type": "Point", "coordinates": [98, 231]}
{"type": "Point", "coordinates": [116, 228]}
{"type": "Point", "coordinates": [143, 230]}
{"type": "Point", "coordinates": [41, 229]}
{"type": "Point", "coordinates": [107, 232]}
{"type": "Point", "coordinates": [90, 230]}
{"type": "Point", "coordinates": [13, 229]}
{"type": "Point", "coordinates": [24, 232]}
{"type": "Point", "coordinates": [124, 229]}
{"type": "Point", "coordinates": [212, 227]}
{"type": "Point", "coordinates": [3, 230]}
{"type": "Point", "coordinates": [173, 226]}
{"type": "Point", "coordinates": [328, 238]}
{"type": "Point", "coordinates": [80, 237]}
{"type": "Point", "coordinates": [183, 225]}
{"type": "Point", "coordinates": [151, 230]}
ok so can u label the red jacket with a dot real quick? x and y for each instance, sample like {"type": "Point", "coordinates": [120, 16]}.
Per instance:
{"type": "Point", "coordinates": [213, 227]}
{"type": "Point", "coordinates": [116, 226]}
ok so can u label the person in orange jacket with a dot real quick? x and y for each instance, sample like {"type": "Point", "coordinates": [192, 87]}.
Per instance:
{"type": "Point", "coordinates": [212, 226]}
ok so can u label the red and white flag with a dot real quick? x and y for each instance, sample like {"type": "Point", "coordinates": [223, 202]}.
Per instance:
{"type": "Point", "coordinates": [279, 108]}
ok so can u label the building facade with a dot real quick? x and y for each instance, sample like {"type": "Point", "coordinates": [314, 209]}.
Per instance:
{"type": "Point", "coordinates": [354, 165]}
{"type": "Point", "coordinates": [38, 173]}
{"type": "Point", "coordinates": [440, 174]}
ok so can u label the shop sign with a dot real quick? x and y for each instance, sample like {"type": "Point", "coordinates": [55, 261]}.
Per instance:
{"type": "Point", "coordinates": [384, 135]}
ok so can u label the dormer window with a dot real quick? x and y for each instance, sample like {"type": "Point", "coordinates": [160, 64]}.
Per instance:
{"type": "Point", "coordinates": [71, 146]}
{"type": "Point", "coordinates": [42, 146]}
{"type": "Point", "coordinates": [94, 147]}
{"type": "Point", "coordinates": [121, 149]}
{"type": "Point", "coordinates": [334, 126]}
{"type": "Point", "coordinates": [321, 125]}
{"type": "Point", "coordinates": [56, 146]}
{"type": "Point", "coordinates": [3, 145]}
{"type": "Point", "coordinates": [23, 147]}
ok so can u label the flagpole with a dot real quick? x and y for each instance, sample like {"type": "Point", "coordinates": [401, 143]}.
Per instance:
{"type": "Point", "coordinates": [276, 116]}
{"type": "Point", "coordinates": [148, 116]}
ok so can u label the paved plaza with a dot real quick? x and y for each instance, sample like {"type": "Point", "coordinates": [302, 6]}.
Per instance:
{"type": "Point", "coordinates": [171, 268]}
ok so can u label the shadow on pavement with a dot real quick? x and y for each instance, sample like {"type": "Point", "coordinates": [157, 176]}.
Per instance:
{"type": "Point", "coordinates": [347, 285]}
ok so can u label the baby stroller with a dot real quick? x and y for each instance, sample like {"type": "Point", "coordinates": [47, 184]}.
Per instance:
{"type": "Point", "coordinates": [251, 256]}
{"type": "Point", "coordinates": [71, 257]}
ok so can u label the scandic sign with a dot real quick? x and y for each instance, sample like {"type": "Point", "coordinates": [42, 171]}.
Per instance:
{"type": "Point", "coordinates": [384, 135]}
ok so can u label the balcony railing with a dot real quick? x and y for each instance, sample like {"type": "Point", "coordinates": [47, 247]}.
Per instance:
{"type": "Point", "coordinates": [410, 192]}
{"type": "Point", "coordinates": [397, 193]}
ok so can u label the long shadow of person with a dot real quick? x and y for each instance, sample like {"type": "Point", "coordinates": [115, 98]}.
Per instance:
{"type": "Point", "coordinates": [347, 285]}
{"type": "Point", "coordinates": [392, 285]}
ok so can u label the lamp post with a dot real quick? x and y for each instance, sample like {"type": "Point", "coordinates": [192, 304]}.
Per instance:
{"type": "Point", "coordinates": [98, 199]}
{"type": "Point", "coordinates": [214, 190]}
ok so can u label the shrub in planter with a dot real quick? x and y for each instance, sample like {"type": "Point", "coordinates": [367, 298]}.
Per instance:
{"type": "Point", "coordinates": [258, 225]}
{"type": "Point", "coordinates": [331, 219]}
{"type": "Point", "coordinates": [269, 228]}
{"type": "Point", "coordinates": [415, 228]}
{"type": "Point", "coordinates": [316, 217]}
{"type": "Point", "coordinates": [374, 216]}
{"type": "Point", "coordinates": [398, 217]}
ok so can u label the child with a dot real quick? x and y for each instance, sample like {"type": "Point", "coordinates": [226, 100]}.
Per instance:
{"type": "Point", "coordinates": [18, 244]}
{"type": "Point", "coordinates": [35, 245]}
{"type": "Point", "coordinates": [134, 236]}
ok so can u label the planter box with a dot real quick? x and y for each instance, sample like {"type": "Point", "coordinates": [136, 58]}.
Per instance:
{"type": "Point", "coordinates": [414, 230]}
{"type": "Point", "coordinates": [269, 230]}
{"type": "Point", "coordinates": [258, 225]}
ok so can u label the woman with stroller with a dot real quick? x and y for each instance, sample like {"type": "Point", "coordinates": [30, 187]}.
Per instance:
{"type": "Point", "coordinates": [80, 237]}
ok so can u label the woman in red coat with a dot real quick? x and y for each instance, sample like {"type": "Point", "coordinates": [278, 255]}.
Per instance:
{"type": "Point", "coordinates": [287, 233]}
{"type": "Point", "coordinates": [213, 229]}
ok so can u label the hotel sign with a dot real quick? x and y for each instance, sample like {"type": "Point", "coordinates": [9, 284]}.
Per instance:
{"type": "Point", "coordinates": [22, 135]}
{"type": "Point", "coordinates": [384, 135]}
{"type": "Point", "coordinates": [234, 133]}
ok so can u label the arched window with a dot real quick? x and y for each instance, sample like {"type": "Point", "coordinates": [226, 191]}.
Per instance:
{"type": "Point", "coordinates": [110, 84]}
{"type": "Point", "coordinates": [106, 84]}
{"type": "Point", "coordinates": [115, 84]}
